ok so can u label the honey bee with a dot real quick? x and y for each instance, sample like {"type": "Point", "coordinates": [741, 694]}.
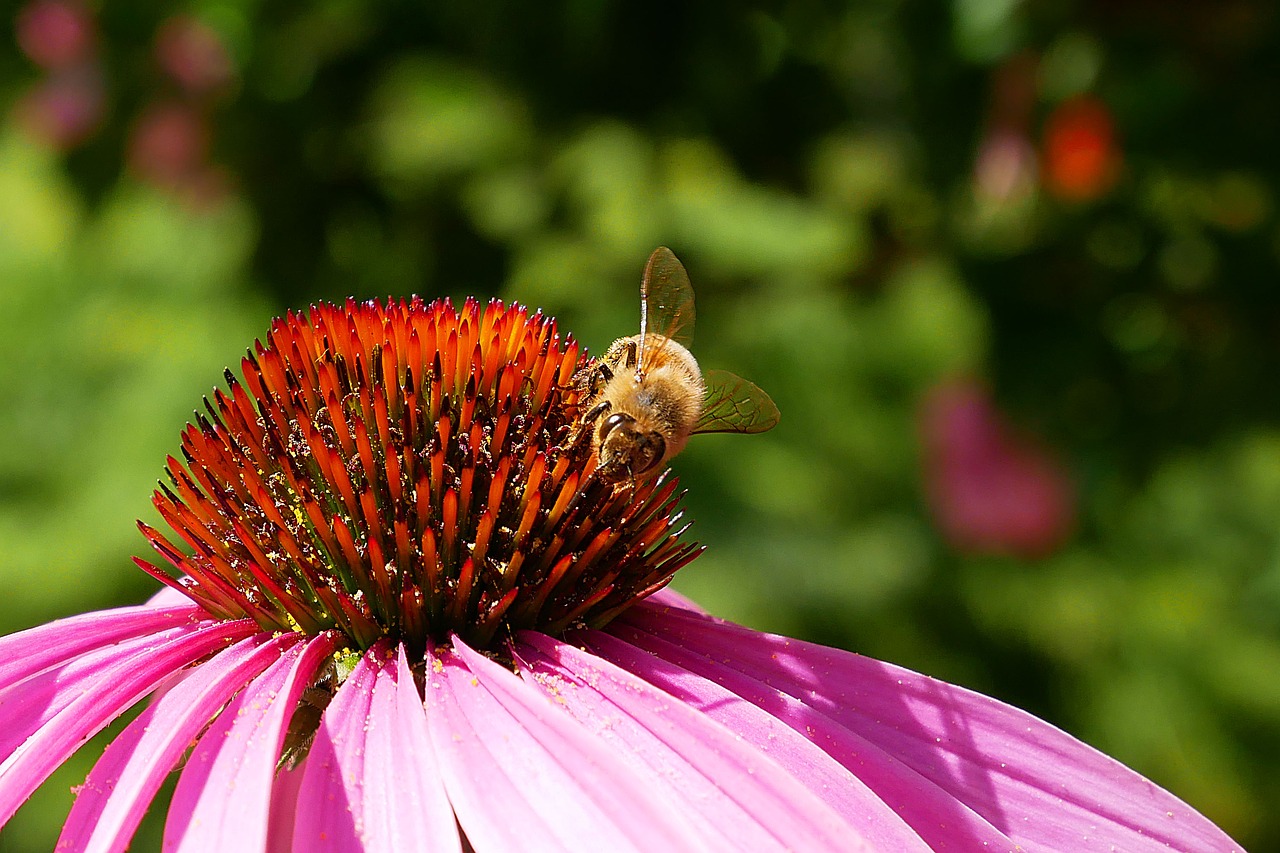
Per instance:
{"type": "Point", "coordinates": [647, 395]}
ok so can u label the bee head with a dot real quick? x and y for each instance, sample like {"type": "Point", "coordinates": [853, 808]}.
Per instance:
{"type": "Point", "coordinates": [625, 449]}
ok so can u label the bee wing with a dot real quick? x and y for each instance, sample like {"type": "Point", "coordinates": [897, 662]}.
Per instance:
{"type": "Point", "coordinates": [733, 404]}
{"type": "Point", "coordinates": [666, 303]}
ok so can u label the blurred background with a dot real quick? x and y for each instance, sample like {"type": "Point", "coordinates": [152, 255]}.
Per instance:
{"type": "Point", "coordinates": [1008, 268]}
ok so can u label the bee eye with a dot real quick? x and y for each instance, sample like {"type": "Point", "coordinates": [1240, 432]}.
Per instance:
{"type": "Point", "coordinates": [652, 450]}
{"type": "Point", "coordinates": [613, 422]}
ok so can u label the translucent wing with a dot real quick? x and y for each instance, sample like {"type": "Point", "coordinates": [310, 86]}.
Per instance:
{"type": "Point", "coordinates": [733, 404]}
{"type": "Point", "coordinates": [666, 303]}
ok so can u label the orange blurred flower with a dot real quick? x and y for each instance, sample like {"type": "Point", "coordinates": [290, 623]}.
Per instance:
{"type": "Point", "coordinates": [1081, 156]}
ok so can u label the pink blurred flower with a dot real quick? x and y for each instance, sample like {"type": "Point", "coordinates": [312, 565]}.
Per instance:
{"type": "Point", "coordinates": [168, 144]}
{"type": "Point", "coordinates": [55, 34]}
{"type": "Point", "coordinates": [991, 490]}
{"type": "Point", "coordinates": [193, 54]}
{"type": "Point", "coordinates": [412, 620]}
{"type": "Point", "coordinates": [169, 148]}
{"type": "Point", "coordinates": [65, 109]}
{"type": "Point", "coordinates": [1005, 169]}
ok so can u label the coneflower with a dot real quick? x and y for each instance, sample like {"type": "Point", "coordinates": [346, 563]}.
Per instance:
{"type": "Point", "coordinates": [404, 615]}
{"type": "Point", "coordinates": [409, 471]}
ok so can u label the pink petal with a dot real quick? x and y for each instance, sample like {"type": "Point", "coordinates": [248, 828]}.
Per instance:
{"type": "Point", "coordinates": [331, 799]}
{"type": "Point", "coordinates": [405, 806]}
{"type": "Point", "coordinates": [223, 796]}
{"type": "Point", "coordinates": [123, 782]}
{"type": "Point", "coordinates": [97, 699]}
{"type": "Point", "coordinates": [668, 597]}
{"type": "Point", "coordinates": [167, 596]}
{"type": "Point", "coordinates": [522, 775]}
{"type": "Point", "coordinates": [28, 652]}
{"type": "Point", "coordinates": [737, 795]}
{"type": "Point", "coordinates": [284, 808]}
{"type": "Point", "coordinates": [31, 703]}
{"type": "Point", "coordinates": [1032, 781]}
{"type": "Point", "coordinates": [938, 817]}
{"type": "Point", "coordinates": [371, 781]}
{"type": "Point", "coordinates": [817, 771]}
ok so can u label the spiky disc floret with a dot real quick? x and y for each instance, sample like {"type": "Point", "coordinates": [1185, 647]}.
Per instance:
{"type": "Point", "coordinates": [408, 470]}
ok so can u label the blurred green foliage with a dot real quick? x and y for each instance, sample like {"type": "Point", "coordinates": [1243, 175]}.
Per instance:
{"type": "Point", "coordinates": [1072, 204]}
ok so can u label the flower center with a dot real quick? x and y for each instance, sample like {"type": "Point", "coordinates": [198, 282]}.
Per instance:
{"type": "Point", "coordinates": [409, 470]}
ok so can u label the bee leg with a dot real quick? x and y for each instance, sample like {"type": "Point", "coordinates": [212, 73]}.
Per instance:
{"type": "Point", "coordinates": [600, 378]}
{"type": "Point", "coordinates": [596, 411]}
{"type": "Point", "coordinates": [631, 358]}
{"type": "Point", "coordinates": [584, 423]}
{"type": "Point", "coordinates": [592, 379]}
